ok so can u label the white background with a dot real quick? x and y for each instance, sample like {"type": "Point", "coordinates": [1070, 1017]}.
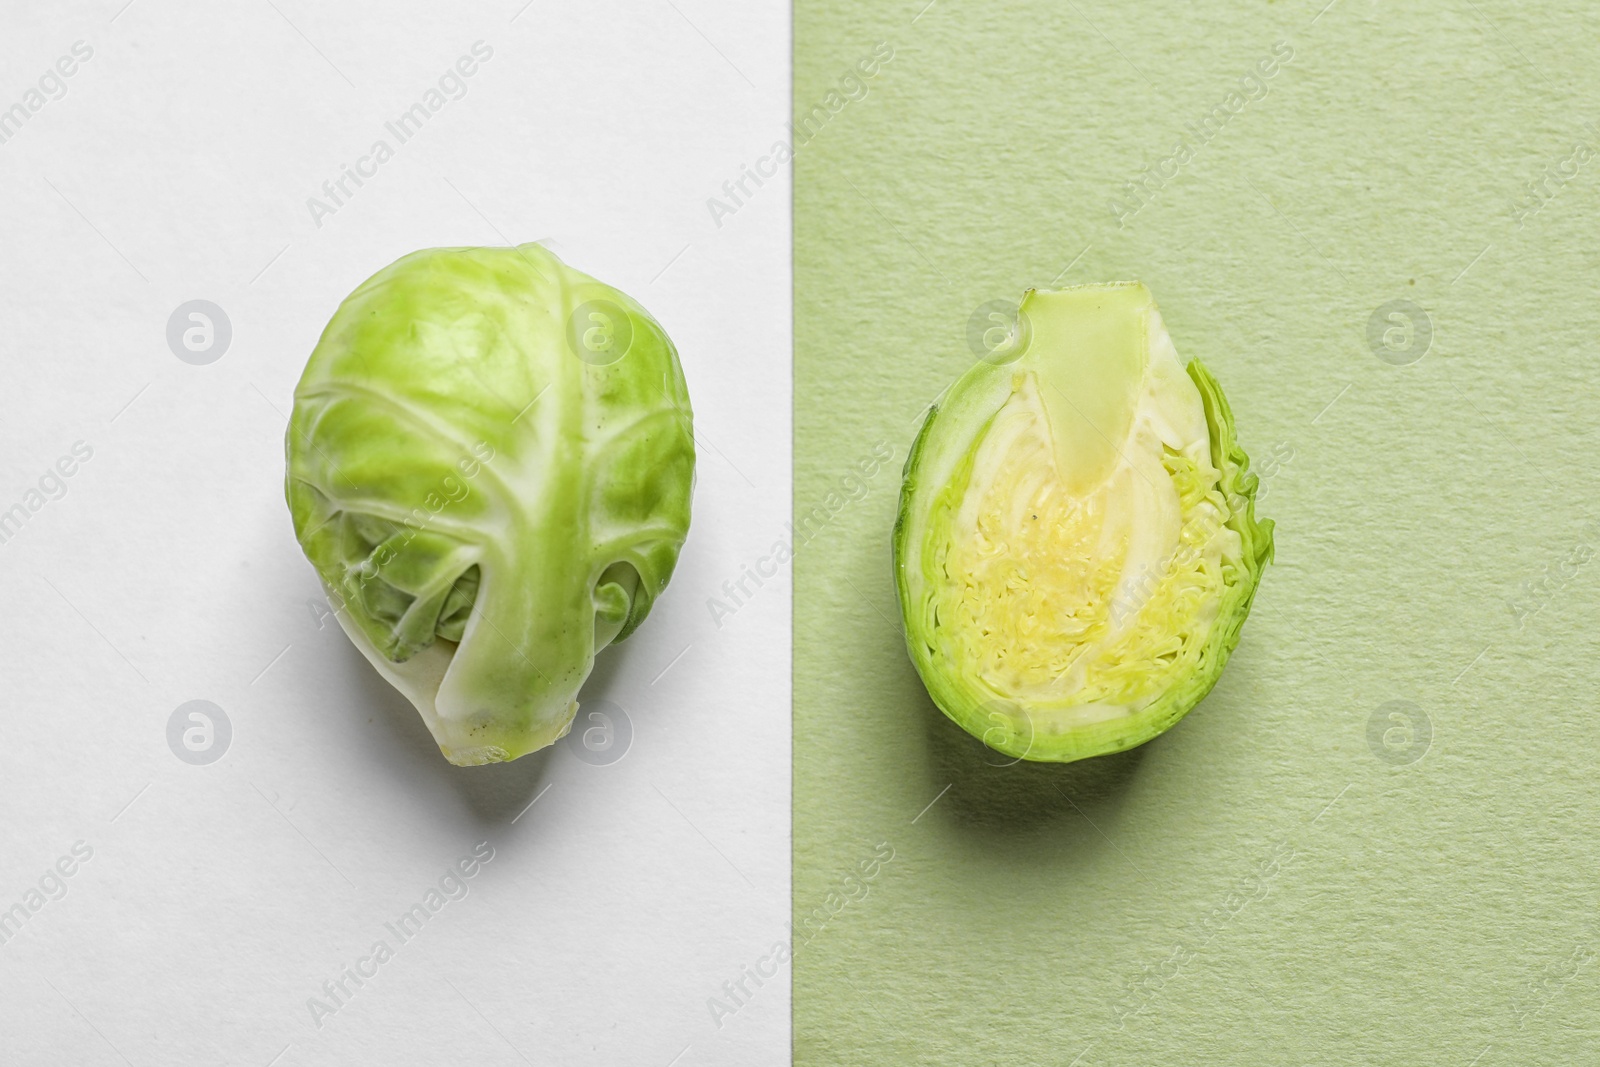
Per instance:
{"type": "Point", "coordinates": [219, 898]}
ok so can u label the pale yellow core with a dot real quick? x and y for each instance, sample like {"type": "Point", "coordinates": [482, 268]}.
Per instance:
{"type": "Point", "coordinates": [1093, 600]}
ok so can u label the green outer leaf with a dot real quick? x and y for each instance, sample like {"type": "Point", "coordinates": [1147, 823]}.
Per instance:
{"type": "Point", "coordinates": [447, 413]}
{"type": "Point", "coordinates": [938, 449]}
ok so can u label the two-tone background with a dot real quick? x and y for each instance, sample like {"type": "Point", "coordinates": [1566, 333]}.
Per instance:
{"type": "Point", "coordinates": [1373, 843]}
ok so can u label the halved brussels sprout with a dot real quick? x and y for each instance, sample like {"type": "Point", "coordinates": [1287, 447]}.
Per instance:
{"type": "Point", "coordinates": [1076, 548]}
{"type": "Point", "coordinates": [489, 464]}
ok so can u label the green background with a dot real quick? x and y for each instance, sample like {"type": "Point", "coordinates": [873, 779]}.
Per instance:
{"type": "Point", "coordinates": [1271, 881]}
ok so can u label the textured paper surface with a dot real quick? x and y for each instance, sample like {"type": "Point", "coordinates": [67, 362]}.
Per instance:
{"type": "Point", "coordinates": [1290, 875]}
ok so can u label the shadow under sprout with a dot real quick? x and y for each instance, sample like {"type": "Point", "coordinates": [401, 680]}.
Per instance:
{"type": "Point", "coordinates": [496, 793]}
{"type": "Point", "coordinates": [1000, 797]}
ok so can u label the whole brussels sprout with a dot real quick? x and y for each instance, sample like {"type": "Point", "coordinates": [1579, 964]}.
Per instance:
{"type": "Point", "coordinates": [1077, 548]}
{"type": "Point", "coordinates": [490, 463]}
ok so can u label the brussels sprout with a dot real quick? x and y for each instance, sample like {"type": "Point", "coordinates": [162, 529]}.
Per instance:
{"type": "Point", "coordinates": [489, 464]}
{"type": "Point", "coordinates": [1076, 548]}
